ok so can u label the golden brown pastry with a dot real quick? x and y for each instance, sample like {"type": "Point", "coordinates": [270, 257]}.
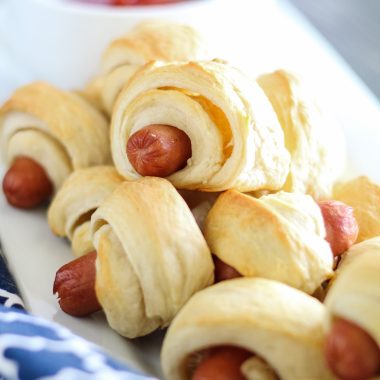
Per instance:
{"type": "Point", "coordinates": [151, 256]}
{"type": "Point", "coordinates": [352, 323]}
{"type": "Point", "coordinates": [281, 328]}
{"type": "Point", "coordinates": [279, 236]}
{"type": "Point", "coordinates": [234, 135]}
{"type": "Point", "coordinates": [316, 144]}
{"type": "Point", "coordinates": [363, 195]}
{"type": "Point", "coordinates": [81, 194]}
{"type": "Point", "coordinates": [147, 41]}
{"type": "Point", "coordinates": [58, 130]}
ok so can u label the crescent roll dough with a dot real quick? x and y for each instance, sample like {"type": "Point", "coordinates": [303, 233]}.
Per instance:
{"type": "Point", "coordinates": [147, 41]}
{"type": "Point", "coordinates": [355, 292]}
{"type": "Point", "coordinates": [82, 193]}
{"type": "Point", "coordinates": [279, 324]}
{"type": "Point", "coordinates": [363, 196]}
{"type": "Point", "coordinates": [59, 130]}
{"type": "Point", "coordinates": [236, 139]}
{"type": "Point", "coordinates": [151, 256]}
{"type": "Point", "coordinates": [279, 236]}
{"type": "Point", "coordinates": [315, 143]}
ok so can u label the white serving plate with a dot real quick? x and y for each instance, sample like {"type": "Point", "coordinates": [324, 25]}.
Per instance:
{"type": "Point", "coordinates": [258, 38]}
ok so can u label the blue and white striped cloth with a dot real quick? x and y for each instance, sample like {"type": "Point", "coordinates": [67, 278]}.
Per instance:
{"type": "Point", "coordinates": [32, 348]}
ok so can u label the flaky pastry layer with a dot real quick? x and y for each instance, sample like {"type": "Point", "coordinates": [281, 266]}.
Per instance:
{"type": "Point", "coordinates": [151, 258]}
{"type": "Point", "coordinates": [279, 324]}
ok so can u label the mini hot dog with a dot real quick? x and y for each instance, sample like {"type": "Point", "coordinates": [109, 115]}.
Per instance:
{"type": "Point", "coordinates": [228, 132]}
{"type": "Point", "coordinates": [158, 150]}
{"type": "Point", "coordinates": [45, 134]}
{"type": "Point", "coordinates": [352, 347]}
{"type": "Point", "coordinates": [341, 226]}
{"type": "Point", "coordinates": [341, 233]}
{"type": "Point", "coordinates": [75, 285]}
{"type": "Point", "coordinates": [222, 363]}
{"type": "Point", "coordinates": [243, 328]}
{"type": "Point", "coordinates": [26, 184]}
{"type": "Point", "coordinates": [278, 236]}
{"type": "Point", "coordinates": [351, 353]}
{"type": "Point", "coordinates": [145, 268]}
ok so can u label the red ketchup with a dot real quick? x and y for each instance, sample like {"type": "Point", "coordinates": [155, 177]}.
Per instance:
{"type": "Point", "coordinates": [118, 3]}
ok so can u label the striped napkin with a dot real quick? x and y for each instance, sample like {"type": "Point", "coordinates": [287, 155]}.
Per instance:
{"type": "Point", "coordinates": [32, 348]}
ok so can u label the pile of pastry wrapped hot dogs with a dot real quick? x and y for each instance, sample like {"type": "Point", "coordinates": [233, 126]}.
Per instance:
{"type": "Point", "coordinates": [199, 199]}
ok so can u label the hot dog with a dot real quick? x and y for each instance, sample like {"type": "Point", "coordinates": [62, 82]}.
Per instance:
{"type": "Point", "coordinates": [222, 363]}
{"type": "Point", "coordinates": [341, 226]}
{"type": "Point", "coordinates": [26, 184]}
{"type": "Point", "coordinates": [351, 353]}
{"type": "Point", "coordinates": [158, 150]}
{"type": "Point", "coordinates": [341, 229]}
{"type": "Point", "coordinates": [75, 284]}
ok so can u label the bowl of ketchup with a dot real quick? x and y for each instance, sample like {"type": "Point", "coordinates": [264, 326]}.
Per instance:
{"type": "Point", "coordinates": [61, 41]}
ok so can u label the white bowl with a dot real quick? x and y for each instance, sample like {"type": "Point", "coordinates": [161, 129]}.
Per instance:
{"type": "Point", "coordinates": [61, 41]}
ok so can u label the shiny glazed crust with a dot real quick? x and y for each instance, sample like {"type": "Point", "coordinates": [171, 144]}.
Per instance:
{"type": "Point", "coordinates": [278, 323]}
{"type": "Point", "coordinates": [354, 294]}
{"type": "Point", "coordinates": [363, 195]}
{"type": "Point", "coordinates": [279, 236]}
{"type": "Point", "coordinates": [58, 129]}
{"type": "Point", "coordinates": [81, 194]}
{"type": "Point", "coordinates": [151, 256]}
{"type": "Point", "coordinates": [235, 136]}
{"type": "Point", "coordinates": [316, 144]}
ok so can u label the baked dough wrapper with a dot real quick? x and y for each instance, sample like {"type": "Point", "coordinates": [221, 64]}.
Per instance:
{"type": "Point", "coordinates": [59, 130]}
{"type": "Point", "coordinates": [363, 195]}
{"type": "Point", "coordinates": [147, 41]}
{"type": "Point", "coordinates": [151, 256]}
{"type": "Point", "coordinates": [81, 194]}
{"type": "Point", "coordinates": [278, 323]}
{"type": "Point", "coordinates": [316, 142]}
{"type": "Point", "coordinates": [235, 136]}
{"type": "Point", "coordinates": [354, 295]}
{"type": "Point", "coordinates": [278, 236]}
